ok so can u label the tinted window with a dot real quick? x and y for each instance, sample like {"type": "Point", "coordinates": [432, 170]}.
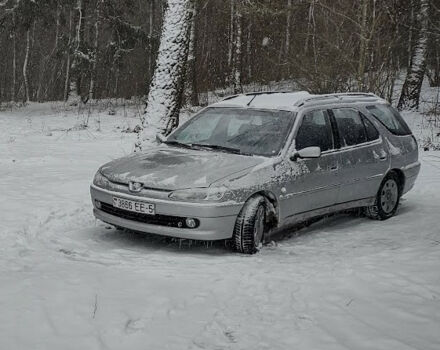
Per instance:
{"type": "Point", "coordinates": [350, 126]}
{"type": "Point", "coordinates": [372, 133]}
{"type": "Point", "coordinates": [390, 118]}
{"type": "Point", "coordinates": [315, 130]}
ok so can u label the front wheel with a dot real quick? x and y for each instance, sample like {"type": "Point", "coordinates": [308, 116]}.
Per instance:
{"type": "Point", "coordinates": [250, 226]}
{"type": "Point", "coordinates": [387, 199]}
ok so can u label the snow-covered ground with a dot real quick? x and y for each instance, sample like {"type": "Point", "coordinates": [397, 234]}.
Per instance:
{"type": "Point", "coordinates": [69, 282]}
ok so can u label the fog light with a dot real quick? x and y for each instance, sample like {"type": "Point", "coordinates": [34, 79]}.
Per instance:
{"type": "Point", "coordinates": [191, 223]}
{"type": "Point", "coordinates": [97, 204]}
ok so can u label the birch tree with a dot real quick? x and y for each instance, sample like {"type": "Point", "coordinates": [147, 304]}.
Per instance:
{"type": "Point", "coordinates": [25, 65]}
{"type": "Point", "coordinates": [166, 90]}
{"type": "Point", "coordinates": [73, 94]}
{"type": "Point", "coordinates": [410, 96]}
{"type": "Point", "coordinates": [191, 80]}
{"type": "Point", "coordinates": [236, 61]}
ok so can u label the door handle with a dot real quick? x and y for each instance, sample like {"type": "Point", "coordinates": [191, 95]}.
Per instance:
{"type": "Point", "coordinates": [334, 167]}
{"type": "Point", "coordinates": [383, 158]}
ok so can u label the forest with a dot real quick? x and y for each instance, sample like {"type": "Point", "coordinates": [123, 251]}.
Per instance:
{"type": "Point", "coordinates": [53, 50]}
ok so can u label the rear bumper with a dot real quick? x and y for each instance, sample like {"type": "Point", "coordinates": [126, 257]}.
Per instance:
{"type": "Point", "coordinates": [216, 220]}
{"type": "Point", "coordinates": [411, 172]}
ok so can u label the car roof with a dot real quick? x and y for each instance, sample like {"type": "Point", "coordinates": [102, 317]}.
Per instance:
{"type": "Point", "coordinates": [293, 101]}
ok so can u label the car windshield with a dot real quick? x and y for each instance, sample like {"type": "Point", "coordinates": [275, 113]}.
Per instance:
{"type": "Point", "coordinates": [244, 131]}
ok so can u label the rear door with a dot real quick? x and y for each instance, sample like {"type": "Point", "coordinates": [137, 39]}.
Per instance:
{"type": "Point", "coordinates": [364, 160]}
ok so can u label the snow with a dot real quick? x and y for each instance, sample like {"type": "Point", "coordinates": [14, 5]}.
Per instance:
{"type": "Point", "coordinates": [279, 100]}
{"type": "Point", "coordinates": [70, 282]}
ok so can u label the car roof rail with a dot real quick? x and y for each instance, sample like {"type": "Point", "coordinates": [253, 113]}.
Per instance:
{"type": "Point", "coordinates": [255, 93]}
{"type": "Point", "coordinates": [266, 92]}
{"type": "Point", "coordinates": [351, 96]}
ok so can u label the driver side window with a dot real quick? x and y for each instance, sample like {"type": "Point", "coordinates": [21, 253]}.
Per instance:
{"type": "Point", "coordinates": [315, 131]}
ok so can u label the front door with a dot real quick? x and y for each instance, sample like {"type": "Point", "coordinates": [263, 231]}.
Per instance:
{"type": "Point", "coordinates": [314, 182]}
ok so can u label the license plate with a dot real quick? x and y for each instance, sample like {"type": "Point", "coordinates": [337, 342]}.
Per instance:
{"type": "Point", "coordinates": [134, 206]}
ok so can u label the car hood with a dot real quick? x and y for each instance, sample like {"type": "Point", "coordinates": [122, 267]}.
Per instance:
{"type": "Point", "coordinates": [172, 168]}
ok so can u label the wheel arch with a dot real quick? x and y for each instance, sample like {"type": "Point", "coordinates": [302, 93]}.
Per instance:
{"type": "Point", "coordinates": [272, 206]}
{"type": "Point", "coordinates": [401, 176]}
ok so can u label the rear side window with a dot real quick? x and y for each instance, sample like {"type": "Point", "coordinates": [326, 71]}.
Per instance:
{"type": "Point", "coordinates": [315, 131]}
{"type": "Point", "coordinates": [390, 118]}
{"type": "Point", "coordinates": [372, 133]}
{"type": "Point", "coordinates": [350, 127]}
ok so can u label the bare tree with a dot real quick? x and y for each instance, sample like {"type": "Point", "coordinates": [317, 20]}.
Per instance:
{"type": "Point", "coordinates": [25, 65]}
{"type": "Point", "coordinates": [14, 58]}
{"type": "Point", "coordinates": [74, 84]}
{"type": "Point", "coordinates": [191, 80]}
{"type": "Point", "coordinates": [93, 74]}
{"type": "Point", "coordinates": [236, 61]}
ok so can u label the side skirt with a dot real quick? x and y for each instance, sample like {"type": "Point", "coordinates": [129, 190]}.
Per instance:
{"type": "Point", "coordinates": [301, 217]}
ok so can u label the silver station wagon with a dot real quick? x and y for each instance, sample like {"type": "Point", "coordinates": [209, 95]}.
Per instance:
{"type": "Point", "coordinates": [253, 164]}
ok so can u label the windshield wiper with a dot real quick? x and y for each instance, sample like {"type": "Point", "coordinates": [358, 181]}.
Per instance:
{"type": "Point", "coordinates": [177, 143]}
{"type": "Point", "coordinates": [204, 145]}
{"type": "Point", "coordinates": [221, 148]}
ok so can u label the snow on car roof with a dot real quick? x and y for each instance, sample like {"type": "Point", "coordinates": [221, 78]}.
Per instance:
{"type": "Point", "coordinates": [291, 101]}
{"type": "Point", "coordinates": [270, 100]}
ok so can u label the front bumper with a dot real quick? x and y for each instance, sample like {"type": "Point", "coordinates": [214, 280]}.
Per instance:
{"type": "Point", "coordinates": [217, 220]}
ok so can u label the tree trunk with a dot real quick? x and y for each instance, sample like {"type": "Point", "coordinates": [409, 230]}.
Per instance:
{"type": "Point", "coordinates": [249, 56]}
{"type": "Point", "coordinates": [310, 23]}
{"type": "Point", "coordinates": [150, 37]}
{"type": "Point", "coordinates": [433, 71]}
{"type": "Point", "coordinates": [231, 34]}
{"type": "Point", "coordinates": [166, 90]}
{"type": "Point", "coordinates": [410, 97]}
{"type": "Point", "coordinates": [14, 59]}
{"type": "Point", "coordinates": [287, 39]}
{"type": "Point", "coordinates": [73, 95]}
{"type": "Point", "coordinates": [411, 32]}
{"type": "Point", "coordinates": [69, 44]}
{"type": "Point", "coordinates": [192, 71]}
{"type": "Point", "coordinates": [94, 73]}
{"type": "Point", "coordinates": [236, 68]}
{"type": "Point", "coordinates": [363, 46]}
{"type": "Point", "coordinates": [25, 65]}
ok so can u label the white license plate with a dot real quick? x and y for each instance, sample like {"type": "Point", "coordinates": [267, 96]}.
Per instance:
{"type": "Point", "coordinates": [134, 206]}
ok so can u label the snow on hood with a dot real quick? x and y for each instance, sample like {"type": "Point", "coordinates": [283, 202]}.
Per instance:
{"type": "Point", "coordinates": [173, 168]}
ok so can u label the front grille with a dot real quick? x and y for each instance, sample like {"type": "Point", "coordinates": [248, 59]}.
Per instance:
{"type": "Point", "coordinates": [161, 220]}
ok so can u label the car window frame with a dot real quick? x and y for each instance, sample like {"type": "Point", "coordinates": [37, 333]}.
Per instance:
{"type": "Point", "coordinates": [365, 118]}
{"type": "Point", "coordinates": [300, 123]}
{"type": "Point", "coordinates": [400, 120]}
{"type": "Point", "coordinates": [361, 115]}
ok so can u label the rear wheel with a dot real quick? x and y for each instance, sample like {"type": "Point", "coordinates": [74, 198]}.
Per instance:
{"type": "Point", "coordinates": [387, 199]}
{"type": "Point", "coordinates": [250, 226]}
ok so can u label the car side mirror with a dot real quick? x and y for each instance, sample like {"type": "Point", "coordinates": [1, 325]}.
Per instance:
{"type": "Point", "coordinates": [160, 138]}
{"type": "Point", "coordinates": [308, 152]}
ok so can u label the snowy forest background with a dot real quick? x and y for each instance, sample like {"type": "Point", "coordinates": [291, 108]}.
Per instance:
{"type": "Point", "coordinates": [108, 48]}
{"type": "Point", "coordinates": [75, 93]}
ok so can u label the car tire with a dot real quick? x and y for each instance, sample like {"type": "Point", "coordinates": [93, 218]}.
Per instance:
{"type": "Point", "coordinates": [387, 199]}
{"type": "Point", "coordinates": [250, 226]}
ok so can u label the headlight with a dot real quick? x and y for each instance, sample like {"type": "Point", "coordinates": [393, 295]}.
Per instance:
{"type": "Point", "coordinates": [100, 180]}
{"type": "Point", "coordinates": [212, 194]}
